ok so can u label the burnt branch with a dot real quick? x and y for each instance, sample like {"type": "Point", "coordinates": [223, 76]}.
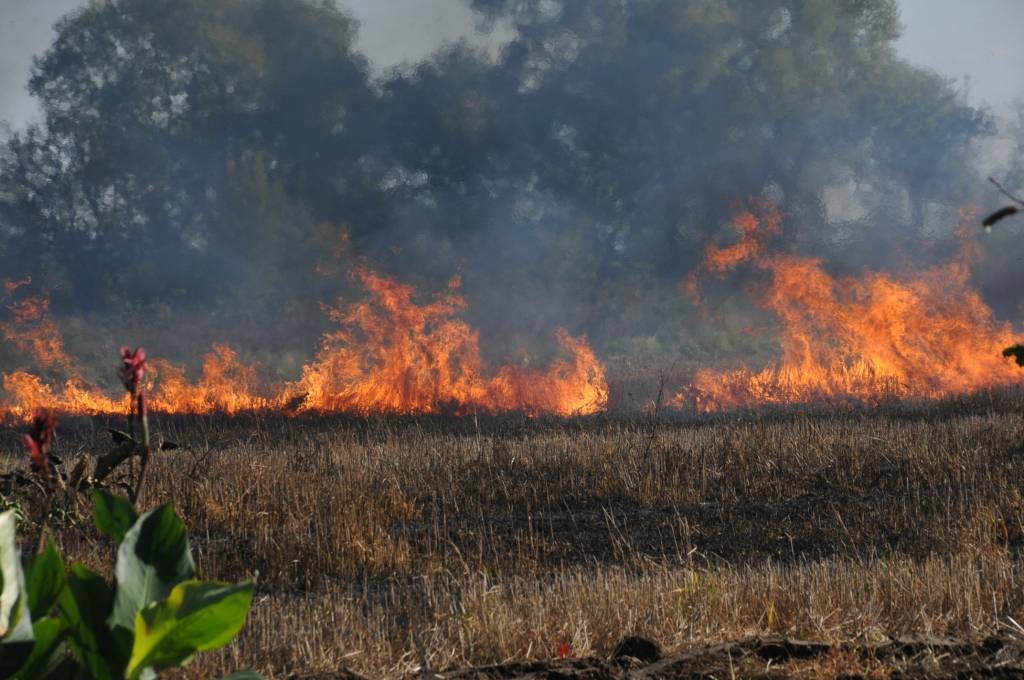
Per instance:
{"type": "Point", "coordinates": [1005, 192]}
{"type": "Point", "coordinates": [109, 461]}
{"type": "Point", "coordinates": [1000, 214]}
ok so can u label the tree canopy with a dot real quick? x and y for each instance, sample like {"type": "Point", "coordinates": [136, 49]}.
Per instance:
{"type": "Point", "coordinates": [205, 155]}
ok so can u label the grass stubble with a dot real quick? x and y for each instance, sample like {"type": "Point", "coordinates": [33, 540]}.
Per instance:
{"type": "Point", "coordinates": [394, 545]}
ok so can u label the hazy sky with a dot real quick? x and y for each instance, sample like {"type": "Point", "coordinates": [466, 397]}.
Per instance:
{"type": "Point", "coordinates": [976, 39]}
{"type": "Point", "coordinates": [979, 39]}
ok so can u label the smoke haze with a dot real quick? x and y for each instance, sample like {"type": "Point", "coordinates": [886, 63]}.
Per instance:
{"type": "Point", "coordinates": [214, 172]}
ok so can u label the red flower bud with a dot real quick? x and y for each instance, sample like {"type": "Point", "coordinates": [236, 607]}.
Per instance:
{"type": "Point", "coordinates": [38, 440]}
{"type": "Point", "coordinates": [133, 369]}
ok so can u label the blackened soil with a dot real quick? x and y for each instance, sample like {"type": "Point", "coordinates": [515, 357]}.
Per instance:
{"type": "Point", "coordinates": [765, 658]}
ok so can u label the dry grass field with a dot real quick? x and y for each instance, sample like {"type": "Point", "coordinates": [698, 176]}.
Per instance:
{"type": "Point", "coordinates": [391, 546]}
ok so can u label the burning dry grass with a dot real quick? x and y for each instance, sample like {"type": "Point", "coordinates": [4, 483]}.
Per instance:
{"type": "Point", "coordinates": [862, 339]}
{"type": "Point", "coordinates": [385, 545]}
{"type": "Point", "coordinates": [391, 354]}
{"type": "Point", "coordinates": [928, 333]}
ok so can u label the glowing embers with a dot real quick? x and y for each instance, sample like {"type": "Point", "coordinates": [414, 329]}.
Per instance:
{"type": "Point", "coordinates": [863, 339]}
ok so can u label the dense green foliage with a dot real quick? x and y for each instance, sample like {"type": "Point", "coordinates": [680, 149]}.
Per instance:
{"type": "Point", "coordinates": [64, 623]}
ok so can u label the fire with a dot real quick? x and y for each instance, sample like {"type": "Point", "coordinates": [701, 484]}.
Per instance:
{"type": "Point", "coordinates": [32, 330]}
{"type": "Point", "coordinates": [226, 385]}
{"type": "Point", "coordinates": [389, 354]}
{"type": "Point", "coordinates": [27, 393]}
{"type": "Point", "coordinates": [860, 339]}
{"type": "Point", "coordinates": [866, 338]}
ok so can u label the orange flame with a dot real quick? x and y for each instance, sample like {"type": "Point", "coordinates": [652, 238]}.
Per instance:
{"type": "Point", "coordinates": [389, 355]}
{"type": "Point", "coordinates": [226, 385]}
{"type": "Point", "coordinates": [27, 393]}
{"type": "Point", "coordinates": [32, 330]}
{"type": "Point", "coordinates": [862, 339]}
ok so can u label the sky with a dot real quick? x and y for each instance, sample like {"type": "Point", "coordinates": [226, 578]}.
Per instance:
{"type": "Point", "coordinates": [976, 39]}
{"type": "Point", "coordinates": [975, 42]}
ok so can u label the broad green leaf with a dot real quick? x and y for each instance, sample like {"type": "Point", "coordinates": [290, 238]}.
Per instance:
{"type": "Point", "coordinates": [196, 617]}
{"type": "Point", "coordinates": [85, 605]}
{"type": "Point", "coordinates": [153, 558]}
{"type": "Point", "coordinates": [44, 581]}
{"type": "Point", "coordinates": [49, 657]}
{"type": "Point", "coordinates": [12, 600]}
{"type": "Point", "coordinates": [16, 639]}
{"type": "Point", "coordinates": [114, 515]}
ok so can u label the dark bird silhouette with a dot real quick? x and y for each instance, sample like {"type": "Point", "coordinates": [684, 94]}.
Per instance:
{"type": "Point", "coordinates": [1005, 211]}
{"type": "Point", "coordinates": [1017, 352]}
{"type": "Point", "coordinates": [998, 215]}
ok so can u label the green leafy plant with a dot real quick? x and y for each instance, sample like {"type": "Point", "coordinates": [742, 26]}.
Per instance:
{"type": "Point", "coordinates": [63, 623]}
{"type": "Point", "coordinates": [70, 623]}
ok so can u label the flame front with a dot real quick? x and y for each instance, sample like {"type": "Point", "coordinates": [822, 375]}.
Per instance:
{"type": "Point", "coordinates": [33, 332]}
{"type": "Point", "coordinates": [863, 339]}
{"type": "Point", "coordinates": [858, 339]}
{"type": "Point", "coordinates": [388, 355]}
{"type": "Point", "coordinates": [226, 385]}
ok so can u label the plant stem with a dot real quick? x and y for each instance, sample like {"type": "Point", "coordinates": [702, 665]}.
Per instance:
{"type": "Point", "coordinates": [144, 422]}
{"type": "Point", "coordinates": [41, 543]}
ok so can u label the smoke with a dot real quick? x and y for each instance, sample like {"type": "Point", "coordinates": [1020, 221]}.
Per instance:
{"type": "Point", "coordinates": [214, 171]}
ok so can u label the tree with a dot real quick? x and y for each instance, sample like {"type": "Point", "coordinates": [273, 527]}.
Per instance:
{"type": "Point", "coordinates": [165, 121]}
{"type": "Point", "coordinates": [574, 179]}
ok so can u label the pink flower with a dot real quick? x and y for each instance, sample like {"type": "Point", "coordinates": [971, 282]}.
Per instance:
{"type": "Point", "coordinates": [38, 440]}
{"type": "Point", "coordinates": [133, 369]}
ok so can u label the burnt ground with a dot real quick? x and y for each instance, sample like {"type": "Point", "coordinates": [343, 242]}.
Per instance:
{"type": "Point", "coordinates": [764, 658]}
{"type": "Point", "coordinates": [476, 548]}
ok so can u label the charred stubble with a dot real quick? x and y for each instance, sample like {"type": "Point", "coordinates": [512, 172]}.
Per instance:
{"type": "Point", "coordinates": [386, 545]}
